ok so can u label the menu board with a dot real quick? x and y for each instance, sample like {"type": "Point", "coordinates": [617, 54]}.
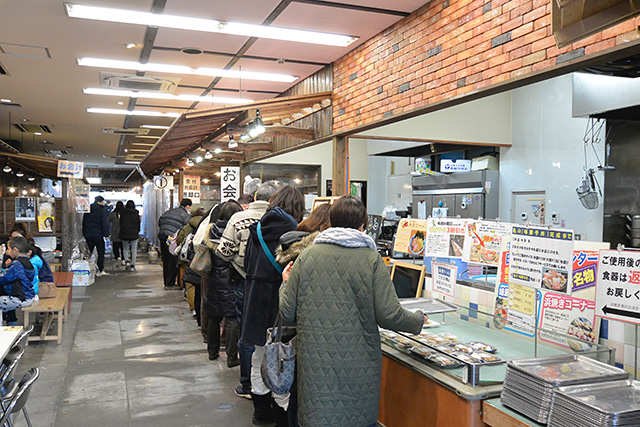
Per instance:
{"type": "Point", "coordinates": [445, 237]}
{"type": "Point", "coordinates": [565, 315]}
{"type": "Point", "coordinates": [374, 226]}
{"type": "Point", "coordinates": [411, 235]}
{"type": "Point", "coordinates": [483, 240]}
{"type": "Point", "coordinates": [25, 209]}
{"type": "Point", "coordinates": [541, 258]}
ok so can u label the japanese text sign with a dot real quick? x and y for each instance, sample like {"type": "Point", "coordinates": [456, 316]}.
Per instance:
{"type": "Point", "coordinates": [229, 183]}
{"type": "Point", "coordinates": [82, 198]}
{"type": "Point", "coordinates": [69, 169]}
{"type": "Point", "coordinates": [482, 243]}
{"type": "Point", "coordinates": [563, 315]}
{"type": "Point", "coordinates": [411, 235]}
{"type": "Point", "coordinates": [445, 237]}
{"type": "Point", "coordinates": [541, 258]}
{"type": "Point", "coordinates": [191, 189]}
{"type": "Point", "coordinates": [585, 267]}
{"type": "Point", "coordinates": [618, 286]}
{"type": "Point", "coordinates": [444, 278]}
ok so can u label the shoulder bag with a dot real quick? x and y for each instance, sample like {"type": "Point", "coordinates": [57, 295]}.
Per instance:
{"type": "Point", "coordinates": [279, 361]}
{"type": "Point", "coordinates": [267, 252]}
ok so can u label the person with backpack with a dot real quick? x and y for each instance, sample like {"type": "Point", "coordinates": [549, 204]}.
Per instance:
{"type": "Point", "coordinates": [186, 253]}
{"type": "Point", "coordinates": [168, 223]}
{"type": "Point", "coordinates": [114, 220]}
{"type": "Point", "coordinates": [129, 233]}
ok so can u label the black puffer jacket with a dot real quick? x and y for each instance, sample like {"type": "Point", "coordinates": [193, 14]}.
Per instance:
{"type": "Point", "coordinates": [263, 280]}
{"type": "Point", "coordinates": [220, 299]}
{"type": "Point", "coordinates": [129, 224]}
{"type": "Point", "coordinates": [172, 221]}
{"type": "Point", "coordinates": [94, 224]}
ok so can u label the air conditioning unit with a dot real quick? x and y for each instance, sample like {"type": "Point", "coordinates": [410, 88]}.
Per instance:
{"type": "Point", "coordinates": [122, 131]}
{"type": "Point", "coordinates": [139, 83]}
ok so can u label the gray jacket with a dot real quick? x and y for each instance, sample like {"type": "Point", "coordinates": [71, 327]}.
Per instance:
{"type": "Point", "coordinates": [172, 221]}
{"type": "Point", "coordinates": [114, 219]}
{"type": "Point", "coordinates": [338, 292]}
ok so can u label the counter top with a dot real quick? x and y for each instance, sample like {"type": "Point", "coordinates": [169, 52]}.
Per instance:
{"type": "Point", "coordinates": [497, 415]}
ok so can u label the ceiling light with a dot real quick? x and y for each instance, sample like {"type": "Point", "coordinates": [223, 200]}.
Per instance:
{"type": "Point", "coordinates": [5, 100]}
{"type": "Point", "coordinates": [41, 194]}
{"type": "Point", "coordinates": [169, 96]}
{"type": "Point", "coordinates": [218, 150]}
{"type": "Point", "coordinates": [12, 189]}
{"type": "Point", "coordinates": [199, 159]}
{"type": "Point", "coordinates": [132, 162]}
{"type": "Point", "coordinates": [130, 45]}
{"type": "Point", "coordinates": [232, 142]}
{"type": "Point", "coordinates": [207, 25]}
{"type": "Point", "coordinates": [126, 150]}
{"type": "Point", "coordinates": [208, 155]}
{"type": "Point", "coordinates": [148, 137]}
{"type": "Point", "coordinates": [19, 174]}
{"type": "Point", "coordinates": [24, 192]}
{"type": "Point", "coordinates": [33, 191]}
{"type": "Point", "coordinates": [131, 112]}
{"type": "Point", "coordinates": [37, 133]}
{"type": "Point", "coordinates": [183, 69]}
{"type": "Point", "coordinates": [94, 180]}
{"type": "Point", "coordinates": [189, 162]}
{"type": "Point", "coordinates": [244, 137]}
{"type": "Point", "coordinates": [155, 127]}
{"type": "Point", "coordinates": [218, 174]}
{"type": "Point", "coordinates": [120, 103]}
{"type": "Point", "coordinates": [297, 181]}
{"type": "Point", "coordinates": [31, 178]}
{"type": "Point", "coordinates": [205, 180]}
{"type": "Point", "coordinates": [6, 168]}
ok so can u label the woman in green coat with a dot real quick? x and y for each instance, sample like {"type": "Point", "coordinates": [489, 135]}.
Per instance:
{"type": "Point", "coordinates": [339, 291]}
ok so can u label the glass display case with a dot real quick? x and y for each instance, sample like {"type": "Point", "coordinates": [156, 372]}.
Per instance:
{"type": "Point", "coordinates": [467, 349]}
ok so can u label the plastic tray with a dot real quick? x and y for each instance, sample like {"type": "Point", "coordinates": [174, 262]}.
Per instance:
{"type": "Point", "coordinates": [429, 305]}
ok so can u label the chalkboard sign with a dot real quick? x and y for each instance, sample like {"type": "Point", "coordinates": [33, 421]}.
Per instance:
{"type": "Point", "coordinates": [374, 226]}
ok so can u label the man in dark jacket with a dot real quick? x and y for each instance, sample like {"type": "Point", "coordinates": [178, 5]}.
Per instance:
{"type": "Point", "coordinates": [95, 228]}
{"type": "Point", "coordinates": [170, 222]}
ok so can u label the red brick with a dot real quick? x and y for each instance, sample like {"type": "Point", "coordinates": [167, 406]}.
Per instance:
{"type": "Point", "coordinates": [605, 44]}
{"type": "Point", "coordinates": [512, 24]}
{"type": "Point", "coordinates": [627, 37]}
{"type": "Point", "coordinates": [521, 31]}
{"type": "Point", "coordinates": [535, 13]}
{"type": "Point", "coordinates": [536, 35]}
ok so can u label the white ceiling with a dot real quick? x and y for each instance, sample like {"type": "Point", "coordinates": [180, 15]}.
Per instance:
{"type": "Point", "coordinates": [49, 90]}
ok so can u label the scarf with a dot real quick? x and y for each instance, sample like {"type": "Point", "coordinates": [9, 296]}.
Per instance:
{"type": "Point", "coordinates": [345, 237]}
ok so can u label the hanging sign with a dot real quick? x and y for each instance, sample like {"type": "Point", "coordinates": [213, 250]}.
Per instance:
{"type": "Point", "coordinates": [26, 209]}
{"type": "Point", "coordinates": [483, 240]}
{"type": "Point", "coordinates": [191, 188]}
{"type": "Point", "coordinates": [83, 204]}
{"type": "Point", "coordinates": [563, 315]}
{"type": "Point", "coordinates": [444, 278]}
{"type": "Point", "coordinates": [541, 258]}
{"type": "Point", "coordinates": [445, 237]}
{"type": "Point", "coordinates": [46, 215]}
{"type": "Point", "coordinates": [163, 182]}
{"type": "Point", "coordinates": [410, 237]}
{"type": "Point", "coordinates": [618, 286]}
{"type": "Point", "coordinates": [69, 169]}
{"type": "Point", "coordinates": [229, 183]}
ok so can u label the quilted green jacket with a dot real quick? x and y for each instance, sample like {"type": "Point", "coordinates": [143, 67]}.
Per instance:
{"type": "Point", "coordinates": [338, 296]}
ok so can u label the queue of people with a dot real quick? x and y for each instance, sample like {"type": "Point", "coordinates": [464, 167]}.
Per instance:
{"type": "Point", "coordinates": [323, 276]}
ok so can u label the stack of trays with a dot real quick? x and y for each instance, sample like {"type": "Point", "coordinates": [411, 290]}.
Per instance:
{"type": "Point", "coordinates": [529, 384]}
{"type": "Point", "coordinates": [615, 403]}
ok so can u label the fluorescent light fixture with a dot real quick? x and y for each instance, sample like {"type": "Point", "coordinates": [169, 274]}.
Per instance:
{"type": "Point", "coordinates": [138, 150]}
{"type": "Point", "coordinates": [132, 162]}
{"type": "Point", "coordinates": [130, 45]}
{"type": "Point", "coordinates": [131, 112]}
{"type": "Point", "coordinates": [94, 180]}
{"type": "Point", "coordinates": [148, 137]}
{"type": "Point", "coordinates": [155, 127]}
{"type": "Point", "coordinates": [37, 133]}
{"type": "Point", "coordinates": [5, 100]}
{"type": "Point", "coordinates": [142, 144]}
{"type": "Point", "coordinates": [207, 25]}
{"type": "Point", "coordinates": [169, 96]}
{"type": "Point", "coordinates": [183, 69]}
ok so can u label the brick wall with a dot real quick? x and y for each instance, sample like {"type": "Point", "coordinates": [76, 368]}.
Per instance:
{"type": "Point", "coordinates": [448, 48]}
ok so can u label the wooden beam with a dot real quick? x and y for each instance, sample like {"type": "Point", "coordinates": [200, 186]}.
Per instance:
{"type": "Point", "coordinates": [339, 177]}
{"type": "Point", "coordinates": [306, 134]}
{"type": "Point", "coordinates": [242, 146]}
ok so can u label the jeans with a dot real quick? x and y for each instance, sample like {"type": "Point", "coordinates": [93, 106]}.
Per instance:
{"type": "Point", "coordinates": [246, 352]}
{"type": "Point", "coordinates": [169, 263]}
{"type": "Point", "coordinates": [97, 242]}
{"type": "Point", "coordinates": [130, 251]}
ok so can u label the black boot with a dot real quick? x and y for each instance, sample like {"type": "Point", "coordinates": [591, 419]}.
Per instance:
{"type": "Point", "coordinates": [281, 416]}
{"type": "Point", "coordinates": [262, 411]}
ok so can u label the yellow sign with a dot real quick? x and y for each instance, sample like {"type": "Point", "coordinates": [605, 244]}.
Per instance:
{"type": "Point", "coordinates": [522, 299]}
{"type": "Point", "coordinates": [411, 236]}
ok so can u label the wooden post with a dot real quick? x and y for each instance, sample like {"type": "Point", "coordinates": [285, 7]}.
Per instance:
{"type": "Point", "coordinates": [66, 238]}
{"type": "Point", "coordinates": [340, 164]}
{"type": "Point", "coordinates": [178, 198]}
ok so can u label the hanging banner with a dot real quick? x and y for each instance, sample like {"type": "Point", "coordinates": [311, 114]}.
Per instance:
{"type": "Point", "coordinates": [163, 182]}
{"type": "Point", "coordinates": [483, 240]}
{"type": "Point", "coordinates": [26, 209]}
{"type": "Point", "coordinates": [69, 169]}
{"type": "Point", "coordinates": [618, 286]}
{"type": "Point", "coordinates": [191, 189]}
{"type": "Point", "coordinates": [565, 315]}
{"type": "Point", "coordinates": [410, 237]}
{"type": "Point", "coordinates": [83, 204]}
{"type": "Point", "coordinates": [444, 278]}
{"type": "Point", "coordinates": [229, 183]}
{"type": "Point", "coordinates": [445, 237]}
{"type": "Point", "coordinates": [541, 258]}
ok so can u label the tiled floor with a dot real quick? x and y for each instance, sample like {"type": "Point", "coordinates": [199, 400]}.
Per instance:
{"type": "Point", "coordinates": [131, 355]}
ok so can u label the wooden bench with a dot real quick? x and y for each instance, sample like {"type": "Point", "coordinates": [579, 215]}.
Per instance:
{"type": "Point", "coordinates": [64, 279]}
{"type": "Point", "coordinates": [54, 309]}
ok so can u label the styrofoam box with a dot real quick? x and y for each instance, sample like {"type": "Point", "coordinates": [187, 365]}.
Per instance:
{"type": "Point", "coordinates": [484, 162]}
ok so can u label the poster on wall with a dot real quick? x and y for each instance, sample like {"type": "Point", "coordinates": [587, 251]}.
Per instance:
{"type": "Point", "coordinates": [541, 258]}
{"type": "Point", "coordinates": [483, 241]}
{"type": "Point", "coordinates": [46, 215]}
{"type": "Point", "coordinates": [563, 315]}
{"type": "Point", "coordinates": [444, 278]}
{"type": "Point", "coordinates": [46, 224]}
{"type": "Point", "coordinates": [229, 183]}
{"type": "Point", "coordinates": [83, 204]}
{"type": "Point", "coordinates": [25, 209]}
{"type": "Point", "coordinates": [445, 237]}
{"type": "Point", "coordinates": [618, 286]}
{"type": "Point", "coordinates": [191, 189]}
{"type": "Point", "coordinates": [410, 237]}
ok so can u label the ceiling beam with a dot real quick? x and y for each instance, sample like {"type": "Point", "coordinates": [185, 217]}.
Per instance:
{"type": "Point", "coordinates": [242, 146]}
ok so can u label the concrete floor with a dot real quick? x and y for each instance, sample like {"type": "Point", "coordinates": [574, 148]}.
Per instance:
{"type": "Point", "coordinates": [131, 355]}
